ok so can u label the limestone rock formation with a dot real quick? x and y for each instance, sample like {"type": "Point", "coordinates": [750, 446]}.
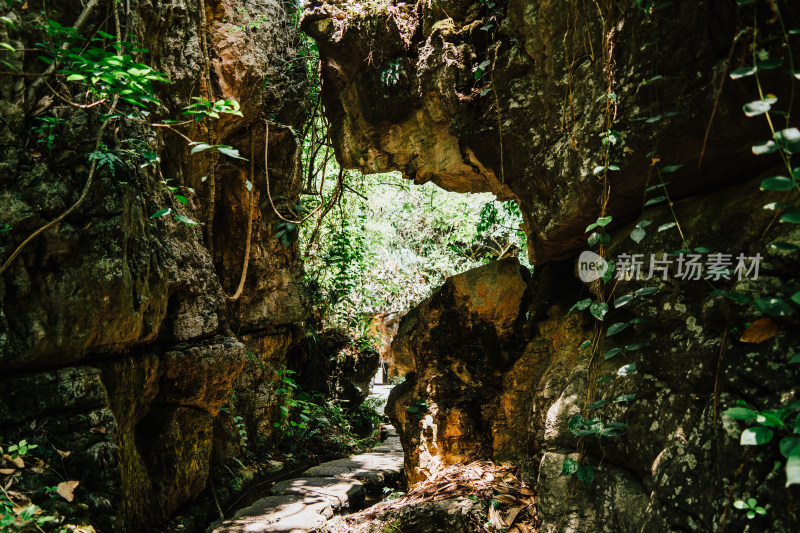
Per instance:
{"type": "Point", "coordinates": [673, 467]}
{"type": "Point", "coordinates": [461, 340]}
{"type": "Point", "coordinates": [117, 341]}
{"type": "Point", "coordinates": [508, 97]}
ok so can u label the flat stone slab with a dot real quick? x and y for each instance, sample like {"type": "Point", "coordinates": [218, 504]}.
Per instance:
{"type": "Point", "coordinates": [279, 514]}
{"type": "Point", "coordinates": [340, 493]}
{"type": "Point", "coordinates": [303, 505]}
{"type": "Point", "coordinates": [369, 468]}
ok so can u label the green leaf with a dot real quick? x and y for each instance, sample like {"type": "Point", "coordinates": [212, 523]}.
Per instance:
{"type": "Point", "coordinates": [796, 298]}
{"type": "Point", "coordinates": [769, 419]}
{"type": "Point", "coordinates": [638, 234]}
{"type": "Point", "coordinates": [616, 328]}
{"type": "Point", "coordinates": [742, 72]}
{"type": "Point", "coordinates": [767, 147]}
{"type": "Point", "coordinates": [569, 466]}
{"type": "Point", "coordinates": [585, 344]}
{"type": "Point", "coordinates": [612, 352]}
{"type": "Point", "coordinates": [777, 183]}
{"type": "Point", "coordinates": [609, 272]}
{"type": "Point", "coordinates": [637, 346]}
{"type": "Point", "coordinates": [604, 379]}
{"type": "Point", "coordinates": [181, 199]}
{"type": "Point", "coordinates": [654, 187]}
{"type": "Point", "coordinates": [671, 168]}
{"type": "Point", "coordinates": [230, 152]}
{"type": "Point", "coordinates": [668, 225]}
{"type": "Point", "coordinates": [740, 413]}
{"type": "Point", "coordinates": [787, 444]}
{"type": "Point", "coordinates": [784, 246]}
{"type": "Point", "coordinates": [789, 138]}
{"type": "Point", "coordinates": [602, 238]}
{"type": "Point", "coordinates": [200, 147]}
{"type": "Point", "coordinates": [755, 108]}
{"type": "Point", "coordinates": [596, 405]}
{"type": "Point", "coordinates": [622, 300]}
{"type": "Point", "coordinates": [626, 370]}
{"type": "Point", "coordinates": [793, 467]}
{"type": "Point", "coordinates": [599, 310]}
{"type": "Point", "coordinates": [161, 212]}
{"type": "Point", "coordinates": [646, 291]}
{"type": "Point", "coordinates": [611, 432]}
{"type": "Point", "coordinates": [581, 305]}
{"type": "Point", "coordinates": [773, 306]}
{"type": "Point", "coordinates": [585, 474]}
{"type": "Point", "coordinates": [772, 206]}
{"type": "Point", "coordinates": [755, 436]}
{"type": "Point", "coordinates": [769, 64]}
{"type": "Point", "coordinates": [654, 201]}
{"type": "Point", "coordinates": [76, 77]}
{"type": "Point", "coordinates": [186, 220]}
{"type": "Point", "coordinates": [601, 222]}
{"type": "Point", "coordinates": [624, 398]}
{"type": "Point", "coordinates": [792, 217]}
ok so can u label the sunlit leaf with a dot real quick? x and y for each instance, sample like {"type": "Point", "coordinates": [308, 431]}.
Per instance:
{"type": "Point", "coordinates": [755, 436]}
{"type": "Point", "coordinates": [777, 183]}
{"type": "Point", "coordinates": [616, 328]}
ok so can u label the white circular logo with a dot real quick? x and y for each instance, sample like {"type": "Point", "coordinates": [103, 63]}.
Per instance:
{"type": "Point", "coordinates": [591, 266]}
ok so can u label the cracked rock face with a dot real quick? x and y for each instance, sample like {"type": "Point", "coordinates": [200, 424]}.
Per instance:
{"type": "Point", "coordinates": [511, 100]}
{"type": "Point", "coordinates": [674, 465]}
{"type": "Point", "coordinates": [131, 311]}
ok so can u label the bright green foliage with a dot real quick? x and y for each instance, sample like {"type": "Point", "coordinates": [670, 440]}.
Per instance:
{"type": "Point", "coordinates": [106, 69]}
{"type": "Point", "coordinates": [310, 423]}
{"type": "Point", "coordinates": [388, 244]}
{"type": "Point", "coordinates": [22, 449]}
{"type": "Point", "coordinates": [203, 108]}
{"type": "Point", "coordinates": [752, 507]}
{"type": "Point", "coordinates": [785, 422]}
{"type": "Point", "coordinates": [104, 157]}
{"type": "Point", "coordinates": [46, 128]}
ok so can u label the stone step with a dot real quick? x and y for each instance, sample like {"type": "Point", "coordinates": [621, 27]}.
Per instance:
{"type": "Point", "coordinates": [279, 514]}
{"type": "Point", "coordinates": [302, 505]}
{"type": "Point", "coordinates": [340, 493]}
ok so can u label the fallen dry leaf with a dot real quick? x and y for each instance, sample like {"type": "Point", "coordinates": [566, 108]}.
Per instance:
{"type": "Point", "coordinates": [66, 488]}
{"type": "Point", "coordinates": [62, 454]}
{"type": "Point", "coordinates": [7, 471]}
{"type": "Point", "coordinates": [16, 461]}
{"type": "Point", "coordinates": [512, 514]}
{"type": "Point", "coordinates": [99, 429]}
{"type": "Point", "coordinates": [760, 330]}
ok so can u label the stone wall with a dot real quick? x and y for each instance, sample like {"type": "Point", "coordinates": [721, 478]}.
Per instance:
{"type": "Point", "coordinates": [679, 458]}
{"type": "Point", "coordinates": [512, 98]}
{"type": "Point", "coordinates": [118, 344]}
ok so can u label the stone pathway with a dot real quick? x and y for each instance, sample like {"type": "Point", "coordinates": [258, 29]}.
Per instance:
{"type": "Point", "coordinates": [304, 504]}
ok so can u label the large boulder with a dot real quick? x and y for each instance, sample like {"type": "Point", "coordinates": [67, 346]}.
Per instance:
{"type": "Point", "coordinates": [508, 97]}
{"type": "Point", "coordinates": [461, 340]}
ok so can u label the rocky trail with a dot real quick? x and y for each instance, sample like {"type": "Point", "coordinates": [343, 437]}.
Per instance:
{"type": "Point", "coordinates": [304, 504]}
